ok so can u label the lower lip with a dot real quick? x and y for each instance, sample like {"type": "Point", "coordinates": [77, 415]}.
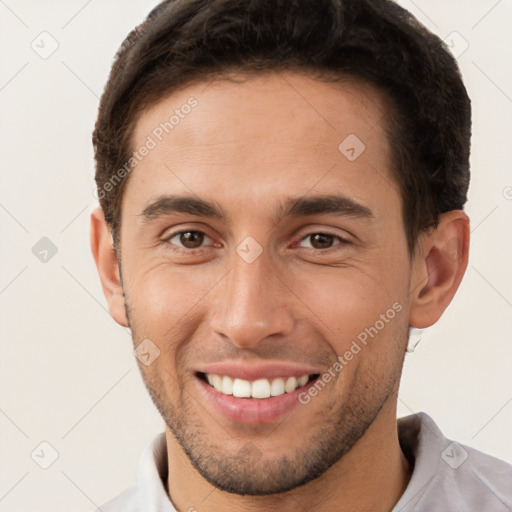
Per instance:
{"type": "Point", "coordinates": [251, 411]}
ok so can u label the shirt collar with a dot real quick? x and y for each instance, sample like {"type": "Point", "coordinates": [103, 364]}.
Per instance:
{"type": "Point", "coordinates": [152, 475]}
{"type": "Point", "coordinates": [422, 442]}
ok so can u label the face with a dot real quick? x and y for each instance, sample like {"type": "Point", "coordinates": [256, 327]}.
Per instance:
{"type": "Point", "coordinates": [261, 242]}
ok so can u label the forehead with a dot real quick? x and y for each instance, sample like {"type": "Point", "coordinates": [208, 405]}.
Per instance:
{"type": "Point", "coordinates": [263, 104]}
{"type": "Point", "coordinates": [262, 136]}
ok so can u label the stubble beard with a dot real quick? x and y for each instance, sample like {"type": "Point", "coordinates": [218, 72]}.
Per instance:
{"type": "Point", "coordinates": [248, 471]}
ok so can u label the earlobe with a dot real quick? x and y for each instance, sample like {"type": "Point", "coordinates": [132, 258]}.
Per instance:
{"type": "Point", "coordinates": [438, 268]}
{"type": "Point", "coordinates": [108, 266]}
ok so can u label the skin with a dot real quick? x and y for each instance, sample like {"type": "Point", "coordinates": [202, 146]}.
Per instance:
{"type": "Point", "coordinates": [248, 147]}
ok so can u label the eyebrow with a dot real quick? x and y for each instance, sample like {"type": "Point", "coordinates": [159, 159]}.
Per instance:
{"type": "Point", "coordinates": [302, 206]}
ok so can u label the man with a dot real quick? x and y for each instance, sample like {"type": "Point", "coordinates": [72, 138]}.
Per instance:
{"type": "Point", "coordinates": [282, 188]}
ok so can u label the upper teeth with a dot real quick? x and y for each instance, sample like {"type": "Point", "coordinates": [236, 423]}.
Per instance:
{"type": "Point", "coordinates": [261, 388]}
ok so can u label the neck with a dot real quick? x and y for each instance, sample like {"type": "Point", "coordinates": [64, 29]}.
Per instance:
{"type": "Point", "coordinates": [370, 477]}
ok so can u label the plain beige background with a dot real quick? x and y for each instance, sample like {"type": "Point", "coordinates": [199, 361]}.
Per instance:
{"type": "Point", "coordinates": [67, 373]}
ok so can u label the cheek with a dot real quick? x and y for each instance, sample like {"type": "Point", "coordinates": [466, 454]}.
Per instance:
{"type": "Point", "coordinates": [347, 302]}
{"type": "Point", "coordinates": [162, 297]}
{"type": "Point", "coordinates": [162, 302]}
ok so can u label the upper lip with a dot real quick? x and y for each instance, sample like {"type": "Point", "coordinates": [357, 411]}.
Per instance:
{"type": "Point", "coordinates": [255, 371]}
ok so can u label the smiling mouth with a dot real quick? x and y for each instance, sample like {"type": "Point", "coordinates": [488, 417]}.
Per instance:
{"type": "Point", "coordinates": [256, 389]}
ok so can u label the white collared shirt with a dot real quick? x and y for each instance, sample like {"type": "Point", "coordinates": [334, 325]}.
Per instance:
{"type": "Point", "coordinates": [447, 476]}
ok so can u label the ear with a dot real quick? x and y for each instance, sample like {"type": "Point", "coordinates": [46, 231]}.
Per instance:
{"type": "Point", "coordinates": [438, 267]}
{"type": "Point", "coordinates": [108, 267]}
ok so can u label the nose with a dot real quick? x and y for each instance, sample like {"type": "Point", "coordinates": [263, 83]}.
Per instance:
{"type": "Point", "coordinates": [252, 303]}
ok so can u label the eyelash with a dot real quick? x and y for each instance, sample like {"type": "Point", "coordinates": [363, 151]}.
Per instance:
{"type": "Point", "coordinates": [201, 249]}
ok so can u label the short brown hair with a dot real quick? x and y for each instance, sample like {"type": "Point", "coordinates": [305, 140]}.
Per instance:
{"type": "Point", "coordinates": [186, 41]}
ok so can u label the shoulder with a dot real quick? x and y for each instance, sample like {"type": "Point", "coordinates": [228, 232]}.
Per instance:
{"type": "Point", "coordinates": [448, 475]}
{"type": "Point", "coordinates": [479, 480]}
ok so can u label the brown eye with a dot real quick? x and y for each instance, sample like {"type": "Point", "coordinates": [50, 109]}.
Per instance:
{"type": "Point", "coordinates": [191, 239]}
{"type": "Point", "coordinates": [320, 241]}
{"type": "Point", "coordinates": [188, 239]}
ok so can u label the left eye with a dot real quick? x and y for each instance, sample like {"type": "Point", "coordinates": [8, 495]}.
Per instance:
{"type": "Point", "coordinates": [189, 239]}
{"type": "Point", "coordinates": [322, 240]}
